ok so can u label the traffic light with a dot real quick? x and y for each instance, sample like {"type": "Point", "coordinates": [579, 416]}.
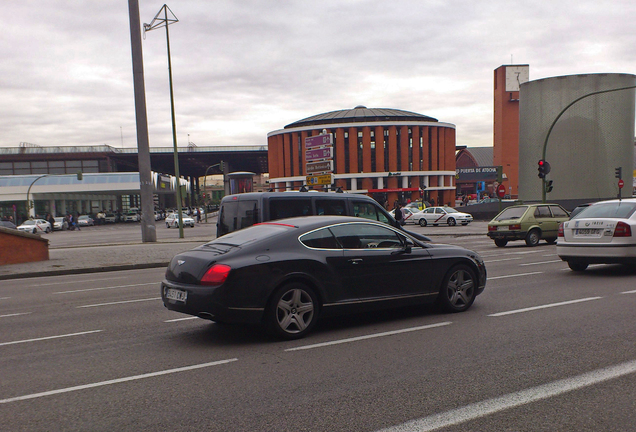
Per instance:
{"type": "Point", "coordinates": [544, 168]}
{"type": "Point", "coordinates": [80, 176]}
{"type": "Point", "coordinates": [548, 186]}
{"type": "Point", "coordinates": [222, 166]}
{"type": "Point", "coordinates": [618, 172]}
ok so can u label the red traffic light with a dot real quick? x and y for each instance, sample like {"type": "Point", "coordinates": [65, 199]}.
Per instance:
{"type": "Point", "coordinates": [544, 168]}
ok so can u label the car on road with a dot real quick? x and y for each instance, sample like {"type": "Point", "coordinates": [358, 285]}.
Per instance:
{"type": "Point", "coordinates": [602, 233]}
{"type": "Point", "coordinates": [85, 221]}
{"type": "Point", "coordinates": [35, 226]}
{"type": "Point", "coordinates": [407, 212]}
{"type": "Point", "coordinates": [61, 224]}
{"type": "Point", "coordinates": [287, 273]}
{"type": "Point", "coordinates": [529, 222]}
{"type": "Point", "coordinates": [131, 217]}
{"type": "Point", "coordinates": [172, 221]}
{"type": "Point", "coordinates": [441, 215]}
{"type": "Point", "coordinates": [110, 218]}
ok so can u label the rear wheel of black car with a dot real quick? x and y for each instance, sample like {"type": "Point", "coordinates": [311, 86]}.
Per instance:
{"type": "Point", "coordinates": [458, 289]}
{"type": "Point", "coordinates": [422, 222]}
{"type": "Point", "coordinates": [533, 237]}
{"type": "Point", "coordinates": [501, 242]}
{"type": "Point", "coordinates": [577, 266]}
{"type": "Point", "coordinates": [292, 311]}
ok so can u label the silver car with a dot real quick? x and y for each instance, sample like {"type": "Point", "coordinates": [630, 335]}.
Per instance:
{"type": "Point", "coordinates": [441, 215]}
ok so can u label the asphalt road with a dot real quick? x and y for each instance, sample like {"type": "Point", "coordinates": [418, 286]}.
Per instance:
{"type": "Point", "coordinates": [543, 348]}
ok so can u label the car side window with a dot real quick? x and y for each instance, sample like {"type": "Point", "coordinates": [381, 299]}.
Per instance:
{"type": "Point", "coordinates": [439, 210]}
{"type": "Point", "coordinates": [285, 208]}
{"type": "Point", "coordinates": [558, 211]}
{"type": "Point", "coordinates": [365, 210]}
{"type": "Point", "coordinates": [320, 239]}
{"type": "Point", "coordinates": [330, 207]}
{"type": "Point", "coordinates": [429, 210]}
{"type": "Point", "coordinates": [358, 236]}
{"type": "Point", "coordinates": [542, 212]}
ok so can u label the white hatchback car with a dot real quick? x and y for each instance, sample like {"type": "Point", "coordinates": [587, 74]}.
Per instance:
{"type": "Point", "coordinates": [35, 226]}
{"type": "Point", "coordinates": [603, 233]}
{"type": "Point", "coordinates": [172, 220]}
{"type": "Point", "coordinates": [441, 215]}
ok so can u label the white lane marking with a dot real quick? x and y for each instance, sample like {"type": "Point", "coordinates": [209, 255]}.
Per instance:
{"type": "Point", "coordinates": [541, 262]}
{"type": "Point", "coordinates": [14, 314]}
{"type": "Point", "coordinates": [514, 275]}
{"type": "Point", "coordinates": [547, 255]}
{"type": "Point", "coordinates": [116, 381]}
{"type": "Point", "coordinates": [5, 298]}
{"type": "Point", "coordinates": [49, 337]}
{"type": "Point", "coordinates": [503, 259]}
{"type": "Point", "coordinates": [105, 288]}
{"type": "Point", "coordinates": [79, 281]}
{"type": "Point", "coordinates": [544, 306]}
{"type": "Point", "coordinates": [371, 336]}
{"type": "Point", "coordinates": [589, 266]}
{"type": "Point", "coordinates": [512, 253]}
{"type": "Point", "coordinates": [182, 319]}
{"type": "Point", "coordinates": [629, 292]}
{"type": "Point", "coordinates": [513, 400]}
{"type": "Point", "coordinates": [119, 302]}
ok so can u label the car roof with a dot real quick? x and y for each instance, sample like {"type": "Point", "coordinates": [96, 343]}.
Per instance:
{"type": "Point", "coordinates": [296, 194]}
{"type": "Point", "coordinates": [308, 222]}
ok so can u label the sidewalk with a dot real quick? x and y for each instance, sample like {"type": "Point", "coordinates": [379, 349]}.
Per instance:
{"type": "Point", "coordinates": [111, 257]}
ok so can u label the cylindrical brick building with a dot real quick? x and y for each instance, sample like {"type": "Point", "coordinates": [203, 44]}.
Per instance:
{"type": "Point", "coordinates": [388, 154]}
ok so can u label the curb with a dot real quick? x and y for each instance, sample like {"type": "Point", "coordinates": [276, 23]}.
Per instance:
{"type": "Point", "coordinates": [62, 272]}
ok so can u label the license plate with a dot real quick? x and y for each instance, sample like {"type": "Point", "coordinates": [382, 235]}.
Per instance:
{"type": "Point", "coordinates": [587, 232]}
{"type": "Point", "coordinates": [177, 295]}
{"type": "Point", "coordinates": [502, 228]}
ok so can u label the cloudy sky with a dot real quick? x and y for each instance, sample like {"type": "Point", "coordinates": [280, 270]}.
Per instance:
{"type": "Point", "coordinates": [244, 68]}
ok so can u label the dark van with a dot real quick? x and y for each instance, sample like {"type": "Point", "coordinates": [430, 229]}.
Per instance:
{"type": "Point", "coordinates": [244, 210]}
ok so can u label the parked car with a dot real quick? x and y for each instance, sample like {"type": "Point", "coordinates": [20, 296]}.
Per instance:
{"type": "Point", "coordinates": [85, 221]}
{"type": "Point", "coordinates": [130, 217]}
{"type": "Point", "coordinates": [61, 224]}
{"type": "Point", "coordinates": [35, 226]}
{"type": "Point", "coordinates": [8, 224]}
{"type": "Point", "coordinates": [602, 233]}
{"type": "Point", "coordinates": [441, 215]}
{"type": "Point", "coordinates": [172, 220]}
{"type": "Point", "coordinates": [530, 222]}
{"type": "Point", "coordinates": [288, 273]}
{"type": "Point", "coordinates": [110, 218]}
{"type": "Point", "coordinates": [416, 205]}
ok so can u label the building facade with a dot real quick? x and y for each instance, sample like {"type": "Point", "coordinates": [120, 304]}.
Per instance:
{"type": "Point", "coordinates": [388, 154]}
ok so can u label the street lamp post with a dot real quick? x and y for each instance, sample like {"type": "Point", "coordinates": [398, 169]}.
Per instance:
{"type": "Point", "coordinates": [31, 208]}
{"type": "Point", "coordinates": [158, 22]}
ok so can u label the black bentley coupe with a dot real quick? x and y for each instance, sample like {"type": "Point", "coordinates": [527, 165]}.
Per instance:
{"type": "Point", "coordinates": [288, 273]}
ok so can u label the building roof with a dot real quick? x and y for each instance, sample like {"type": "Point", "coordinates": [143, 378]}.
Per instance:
{"type": "Point", "coordinates": [483, 156]}
{"type": "Point", "coordinates": [361, 114]}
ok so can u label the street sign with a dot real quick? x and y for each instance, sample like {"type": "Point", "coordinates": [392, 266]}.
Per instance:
{"type": "Point", "coordinates": [318, 141]}
{"type": "Point", "coordinates": [318, 153]}
{"type": "Point", "coordinates": [324, 179]}
{"type": "Point", "coordinates": [621, 183]}
{"type": "Point", "coordinates": [501, 191]}
{"type": "Point", "coordinates": [319, 167]}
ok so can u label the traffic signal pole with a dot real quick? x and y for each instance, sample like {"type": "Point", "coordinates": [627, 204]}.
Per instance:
{"type": "Point", "coordinates": [545, 143]}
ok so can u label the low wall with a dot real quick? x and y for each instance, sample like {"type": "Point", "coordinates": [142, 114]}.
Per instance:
{"type": "Point", "coordinates": [18, 247]}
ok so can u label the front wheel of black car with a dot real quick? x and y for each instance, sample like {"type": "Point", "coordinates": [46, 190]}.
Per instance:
{"type": "Point", "coordinates": [458, 290]}
{"type": "Point", "coordinates": [292, 311]}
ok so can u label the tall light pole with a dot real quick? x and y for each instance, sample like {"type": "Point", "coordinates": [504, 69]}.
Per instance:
{"type": "Point", "coordinates": [158, 22]}
{"type": "Point", "coordinates": [148, 229]}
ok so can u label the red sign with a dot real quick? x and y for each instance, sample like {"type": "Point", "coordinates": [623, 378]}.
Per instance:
{"type": "Point", "coordinates": [501, 191]}
{"type": "Point", "coordinates": [621, 183]}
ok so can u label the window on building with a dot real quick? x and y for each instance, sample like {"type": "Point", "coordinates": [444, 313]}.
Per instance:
{"type": "Point", "coordinates": [346, 152]}
{"type": "Point", "coordinates": [360, 151]}
{"type": "Point", "coordinates": [373, 167]}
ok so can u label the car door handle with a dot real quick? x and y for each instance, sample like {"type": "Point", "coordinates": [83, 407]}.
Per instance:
{"type": "Point", "coordinates": [355, 260]}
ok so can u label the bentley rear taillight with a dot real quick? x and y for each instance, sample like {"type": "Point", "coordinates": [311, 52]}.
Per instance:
{"type": "Point", "coordinates": [216, 274]}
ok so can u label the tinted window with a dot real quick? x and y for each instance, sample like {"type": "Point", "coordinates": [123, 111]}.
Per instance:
{"type": "Point", "coordinates": [558, 211]}
{"type": "Point", "coordinates": [321, 239]}
{"type": "Point", "coordinates": [331, 207]}
{"type": "Point", "coordinates": [542, 212]}
{"type": "Point", "coordinates": [359, 236]}
{"type": "Point", "coordinates": [285, 208]}
{"type": "Point", "coordinates": [365, 210]}
{"type": "Point", "coordinates": [621, 210]}
{"type": "Point", "coordinates": [511, 213]}
{"type": "Point", "coordinates": [247, 213]}
{"type": "Point", "coordinates": [227, 221]}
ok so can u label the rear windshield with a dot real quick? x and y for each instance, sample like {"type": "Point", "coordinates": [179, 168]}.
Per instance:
{"type": "Point", "coordinates": [251, 234]}
{"type": "Point", "coordinates": [235, 215]}
{"type": "Point", "coordinates": [511, 213]}
{"type": "Point", "coordinates": [618, 210]}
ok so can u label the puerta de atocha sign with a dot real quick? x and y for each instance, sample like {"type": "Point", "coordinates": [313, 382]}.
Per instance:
{"type": "Point", "coordinates": [319, 157]}
{"type": "Point", "coordinates": [474, 174]}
